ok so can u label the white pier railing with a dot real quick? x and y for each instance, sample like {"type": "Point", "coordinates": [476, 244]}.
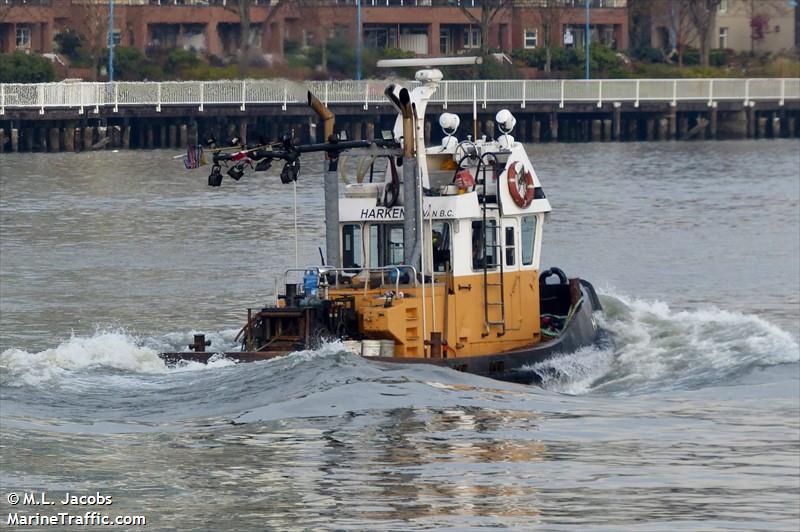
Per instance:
{"type": "Point", "coordinates": [89, 96]}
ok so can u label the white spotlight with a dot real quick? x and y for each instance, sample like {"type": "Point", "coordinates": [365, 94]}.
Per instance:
{"type": "Point", "coordinates": [505, 121]}
{"type": "Point", "coordinates": [449, 123]}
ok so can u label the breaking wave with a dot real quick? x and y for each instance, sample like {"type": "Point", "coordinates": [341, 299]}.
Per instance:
{"type": "Point", "coordinates": [108, 350]}
{"type": "Point", "coordinates": [655, 348]}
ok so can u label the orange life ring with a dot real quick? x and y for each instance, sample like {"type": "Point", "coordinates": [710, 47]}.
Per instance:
{"type": "Point", "coordinates": [519, 183]}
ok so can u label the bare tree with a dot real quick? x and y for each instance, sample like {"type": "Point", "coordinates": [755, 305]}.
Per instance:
{"type": "Point", "coordinates": [317, 25]}
{"type": "Point", "coordinates": [675, 17]}
{"type": "Point", "coordinates": [759, 14]}
{"type": "Point", "coordinates": [91, 21]}
{"type": "Point", "coordinates": [703, 13]}
{"type": "Point", "coordinates": [639, 15]}
{"type": "Point", "coordinates": [243, 9]}
{"type": "Point", "coordinates": [489, 10]}
{"type": "Point", "coordinates": [551, 13]}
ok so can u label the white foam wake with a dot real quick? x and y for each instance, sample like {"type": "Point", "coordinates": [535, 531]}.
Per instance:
{"type": "Point", "coordinates": [657, 348]}
{"type": "Point", "coordinates": [115, 350]}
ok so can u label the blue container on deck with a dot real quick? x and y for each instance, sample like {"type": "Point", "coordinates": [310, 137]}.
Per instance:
{"type": "Point", "coordinates": [310, 283]}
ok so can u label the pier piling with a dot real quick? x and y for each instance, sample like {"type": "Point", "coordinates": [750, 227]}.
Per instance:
{"type": "Point", "coordinates": [762, 127]}
{"type": "Point", "coordinates": [712, 131]}
{"type": "Point", "coordinates": [68, 140]}
{"type": "Point", "coordinates": [14, 139]}
{"type": "Point", "coordinates": [184, 135]}
{"type": "Point", "coordinates": [173, 136]}
{"type": "Point", "coordinates": [663, 129]}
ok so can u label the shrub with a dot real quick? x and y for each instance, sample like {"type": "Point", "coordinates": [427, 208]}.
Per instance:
{"type": "Point", "coordinates": [719, 57]}
{"type": "Point", "coordinates": [179, 61]}
{"type": "Point", "coordinates": [19, 67]}
{"type": "Point", "coordinates": [130, 64]}
{"type": "Point", "coordinates": [69, 44]}
{"type": "Point", "coordinates": [648, 54]}
{"type": "Point", "coordinates": [691, 57]}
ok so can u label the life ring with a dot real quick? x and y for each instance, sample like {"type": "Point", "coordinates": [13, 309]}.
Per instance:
{"type": "Point", "coordinates": [520, 186]}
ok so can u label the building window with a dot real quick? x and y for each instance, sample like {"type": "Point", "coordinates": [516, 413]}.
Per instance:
{"type": "Point", "coordinates": [723, 6]}
{"type": "Point", "coordinates": [472, 37]}
{"type": "Point", "coordinates": [531, 38]}
{"type": "Point", "coordinates": [723, 37]}
{"type": "Point", "coordinates": [23, 37]}
{"type": "Point", "coordinates": [116, 37]}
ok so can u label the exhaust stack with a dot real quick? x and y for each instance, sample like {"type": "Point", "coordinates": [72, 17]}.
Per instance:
{"type": "Point", "coordinates": [400, 97]}
{"type": "Point", "coordinates": [327, 116]}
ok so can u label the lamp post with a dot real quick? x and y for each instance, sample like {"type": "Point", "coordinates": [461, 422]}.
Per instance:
{"type": "Point", "coordinates": [358, 39]}
{"type": "Point", "coordinates": [110, 40]}
{"type": "Point", "coordinates": [588, 40]}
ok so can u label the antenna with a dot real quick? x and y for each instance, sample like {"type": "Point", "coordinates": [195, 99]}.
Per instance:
{"type": "Point", "coordinates": [429, 62]}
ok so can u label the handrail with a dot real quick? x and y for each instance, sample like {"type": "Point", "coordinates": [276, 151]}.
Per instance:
{"type": "Point", "coordinates": [277, 92]}
{"type": "Point", "coordinates": [398, 269]}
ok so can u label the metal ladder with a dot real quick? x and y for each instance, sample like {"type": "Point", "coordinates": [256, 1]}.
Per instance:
{"type": "Point", "coordinates": [497, 248]}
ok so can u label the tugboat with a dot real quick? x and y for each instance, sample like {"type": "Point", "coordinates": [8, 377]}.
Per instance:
{"type": "Point", "coordinates": [434, 259]}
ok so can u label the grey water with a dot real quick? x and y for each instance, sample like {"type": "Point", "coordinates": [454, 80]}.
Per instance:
{"type": "Point", "coordinates": [691, 421]}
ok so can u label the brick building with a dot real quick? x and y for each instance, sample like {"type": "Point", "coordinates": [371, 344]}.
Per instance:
{"type": "Point", "coordinates": [425, 27]}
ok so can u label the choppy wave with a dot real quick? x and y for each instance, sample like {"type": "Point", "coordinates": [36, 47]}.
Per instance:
{"type": "Point", "coordinates": [656, 348]}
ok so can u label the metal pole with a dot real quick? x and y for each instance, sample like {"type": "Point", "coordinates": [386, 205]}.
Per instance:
{"type": "Point", "coordinates": [296, 236]}
{"type": "Point", "coordinates": [111, 40]}
{"type": "Point", "coordinates": [588, 38]}
{"type": "Point", "coordinates": [358, 39]}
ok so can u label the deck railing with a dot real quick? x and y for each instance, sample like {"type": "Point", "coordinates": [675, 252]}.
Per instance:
{"type": "Point", "coordinates": [89, 96]}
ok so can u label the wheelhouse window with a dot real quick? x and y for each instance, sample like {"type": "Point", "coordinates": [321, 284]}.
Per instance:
{"type": "Point", "coordinates": [528, 236]}
{"type": "Point", "coordinates": [352, 250]}
{"type": "Point", "coordinates": [511, 247]}
{"type": "Point", "coordinates": [385, 245]}
{"type": "Point", "coordinates": [484, 245]}
{"type": "Point", "coordinates": [440, 243]}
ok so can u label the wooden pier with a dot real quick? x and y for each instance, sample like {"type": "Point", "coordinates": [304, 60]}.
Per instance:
{"type": "Point", "coordinates": [146, 115]}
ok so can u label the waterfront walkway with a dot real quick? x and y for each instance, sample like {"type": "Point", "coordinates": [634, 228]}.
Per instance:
{"type": "Point", "coordinates": [45, 97]}
{"type": "Point", "coordinates": [87, 115]}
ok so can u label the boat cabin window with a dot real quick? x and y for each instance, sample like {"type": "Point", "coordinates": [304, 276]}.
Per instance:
{"type": "Point", "coordinates": [385, 245]}
{"type": "Point", "coordinates": [511, 247]}
{"type": "Point", "coordinates": [528, 235]}
{"type": "Point", "coordinates": [484, 245]}
{"type": "Point", "coordinates": [352, 251]}
{"type": "Point", "coordinates": [440, 240]}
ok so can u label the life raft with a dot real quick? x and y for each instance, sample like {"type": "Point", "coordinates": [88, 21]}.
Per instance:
{"type": "Point", "coordinates": [520, 185]}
